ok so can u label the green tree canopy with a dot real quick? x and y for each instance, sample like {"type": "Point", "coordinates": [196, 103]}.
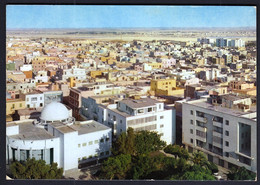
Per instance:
{"type": "Point", "coordinates": [177, 151]}
{"type": "Point", "coordinates": [116, 167]}
{"type": "Point", "coordinates": [197, 172]}
{"type": "Point", "coordinates": [146, 142]}
{"type": "Point", "coordinates": [199, 158]}
{"type": "Point", "coordinates": [35, 169]}
{"type": "Point", "coordinates": [240, 173]}
{"type": "Point", "coordinates": [125, 143]}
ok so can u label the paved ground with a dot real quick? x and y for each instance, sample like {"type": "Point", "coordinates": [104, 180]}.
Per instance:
{"type": "Point", "coordinates": [83, 173]}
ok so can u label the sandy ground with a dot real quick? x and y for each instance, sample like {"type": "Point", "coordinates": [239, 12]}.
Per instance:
{"type": "Point", "coordinates": [118, 37]}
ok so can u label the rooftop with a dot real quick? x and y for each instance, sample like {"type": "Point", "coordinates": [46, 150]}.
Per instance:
{"type": "Point", "coordinates": [88, 127]}
{"type": "Point", "coordinates": [144, 102]}
{"type": "Point", "coordinates": [84, 127]}
{"type": "Point", "coordinates": [28, 131]}
{"type": "Point", "coordinates": [235, 112]}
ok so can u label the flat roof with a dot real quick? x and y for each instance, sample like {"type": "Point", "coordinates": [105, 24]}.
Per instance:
{"type": "Point", "coordinates": [218, 108]}
{"type": "Point", "coordinates": [143, 102]}
{"type": "Point", "coordinates": [88, 127]}
{"type": "Point", "coordinates": [28, 131]}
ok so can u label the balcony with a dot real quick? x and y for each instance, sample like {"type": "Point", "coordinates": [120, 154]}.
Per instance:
{"type": "Point", "coordinates": [203, 139]}
{"type": "Point", "coordinates": [202, 129]}
{"type": "Point", "coordinates": [217, 134]}
{"type": "Point", "coordinates": [202, 119]}
{"type": "Point", "coordinates": [217, 124]}
{"type": "Point", "coordinates": [219, 145]}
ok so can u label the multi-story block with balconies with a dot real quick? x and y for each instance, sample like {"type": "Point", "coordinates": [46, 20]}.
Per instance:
{"type": "Point", "coordinates": [140, 114]}
{"type": "Point", "coordinates": [224, 128]}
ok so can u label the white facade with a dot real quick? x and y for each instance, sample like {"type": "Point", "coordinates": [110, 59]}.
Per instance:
{"type": "Point", "coordinates": [66, 143]}
{"type": "Point", "coordinates": [75, 72]}
{"type": "Point", "coordinates": [26, 67]}
{"type": "Point", "coordinates": [209, 74]}
{"type": "Point", "coordinates": [120, 116]}
{"type": "Point", "coordinates": [34, 100]}
{"type": "Point", "coordinates": [227, 136]}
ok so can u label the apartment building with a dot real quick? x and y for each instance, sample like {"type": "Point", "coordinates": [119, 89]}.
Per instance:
{"type": "Point", "coordinates": [91, 89]}
{"type": "Point", "coordinates": [165, 87]}
{"type": "Point", "coordinates": [77, 73]}
{"type": "Point", "coordinates": [34, 99]}
{"type": "Point", "coordinates": [224, 128]}
{"type": "Point", "coordinates": [14, 104]}
{"type": "Point", "coordinates": [140, 114]}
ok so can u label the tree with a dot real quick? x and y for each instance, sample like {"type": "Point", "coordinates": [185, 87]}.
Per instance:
{"type": "Point", "coordinates": [240, 173]}
{"type": "Point", "coordinates": [198, 158]}
{"type": "Point", "coordinates": [212, 167]}
{"type": "Point", "coordinates": [116, 167]}
{"type": "Point", "coordinates": [146, 142]}
{"type": "Point", "coordinates": [197, 172]}
{"type": "Point", "coordinates": [177, 151]}
{"type": "Point", "coordinates": [125, 143]}
{"type": "Point", "coordinates": [35, 169]}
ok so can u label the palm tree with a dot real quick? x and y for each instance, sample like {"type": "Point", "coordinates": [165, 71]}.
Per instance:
{"type": "Point", "coordinates": [199, 158]}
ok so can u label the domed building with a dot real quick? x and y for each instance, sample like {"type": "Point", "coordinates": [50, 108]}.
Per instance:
{"type": "Point", "coordinates": [55, 112]}
{"type": "Point", "coordinates": [57, 137]}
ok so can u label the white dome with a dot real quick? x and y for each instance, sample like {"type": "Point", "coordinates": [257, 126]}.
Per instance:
{"type": "Point", "coordinates": [54, 111]}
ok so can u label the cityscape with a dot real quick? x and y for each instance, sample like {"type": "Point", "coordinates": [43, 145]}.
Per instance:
{"type": "Point", "coordinates": [143, 95]}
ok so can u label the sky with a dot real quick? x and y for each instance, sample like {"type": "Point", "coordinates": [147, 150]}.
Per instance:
{"type": "Point", "coordinates": [112, 16]}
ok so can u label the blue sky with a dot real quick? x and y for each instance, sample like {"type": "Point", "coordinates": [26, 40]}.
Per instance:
{"type": "Point", "coordinates": [86, 16]}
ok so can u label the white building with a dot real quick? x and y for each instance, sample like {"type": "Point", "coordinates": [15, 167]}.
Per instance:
{"type": "Point", "coordinates": [41, 77]}
{"type": "Point", "coordinates": [75, 72]}
{"type": "Point", "coordinates": [141, 114]}
{"type": "Point", "coordinates": [224, 128]}
{"type": "Point", "coordinates": [34, 99]}
{"type": "Point", "coordinates": [26, 67]}
{"type": "Point", "coordinates": [56, 137]}
{"type": "Point", "coordinates": [209, 74]}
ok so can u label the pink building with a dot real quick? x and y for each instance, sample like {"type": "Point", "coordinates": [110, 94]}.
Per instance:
{"type": "Point", "coordinates": [167, 63]}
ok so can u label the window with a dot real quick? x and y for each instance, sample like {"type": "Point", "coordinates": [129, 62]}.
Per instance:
{"type": "Point", "coordinates": [191, 131]}
{"type": "Point", "coordinates": [102, 153]}
{"type": "Point", "coordinates": [150, 109]}
{"type": "Point", "coordinates": [161, 126]}
{"type": "Point", "coordinates": [78, 145]}
{"type": "Point", "coordinates": [161, 117]}
{"type": "Point", "coordinates": [109, 115]}
{"type": "Point", "coordinates": [96, 141]}
{"type": "Point", "coordinates": [140, 111]}
{"type": "Point", "coordinates": [226, 154]}
{"type": "Point", "coordinates": [191, 112]}
{"type": "Point", "coordinates": [21, 104]}
{"type": "Point", "coordinates": [107, 139]}
{"type": "Point", "coordinates": [121, 121]}
{"type": "Point", "coordinates": [107, 152]}
{"type": "Point", "coordinates": [191, 140]}
{"type": "Point", "coordinates": [101, 140]}
{"type": "Point", "coordinates": [227, 133]}
{"type": "Point", "coordinates": [90, 143]}
{"type": "Point", "coordinates": [191, 122]}
{"type": "Point", "coordinates": [13, 106]}
{"type": "Point", "coordinates": [84, 144]}
{"type": "Point", "coordinates": [227, 143]}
